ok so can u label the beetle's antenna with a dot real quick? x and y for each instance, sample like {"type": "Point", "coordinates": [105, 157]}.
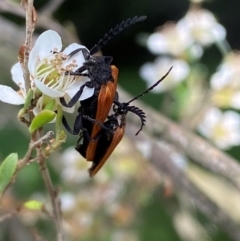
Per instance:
{"type": "Point", "coordinates": [150, 88]}
{"type": "Point", "coordinates": [140, 114]}
{"type": "Point", "coordinates": [114, 31]}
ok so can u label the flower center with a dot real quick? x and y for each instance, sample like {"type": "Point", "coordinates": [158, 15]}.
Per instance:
{"type": "Point", "coordinates": [219, 131]}
{"type": "Point", "coordinates": [52, 71]}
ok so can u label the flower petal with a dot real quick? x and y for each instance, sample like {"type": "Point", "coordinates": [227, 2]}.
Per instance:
{"type": "Point", "coordinates": [17, 74]}
{"type": "Point", "coordinates": [48, 42]}
{"type": "Point", "coordinates": [152, 71]}
{"type": "Point", "coordinates": [73, 47]}
{"type": "Point", "coordinates": [48, 91]}
{"type": "Point", "coordinates": [72, 89]}
{"type": "Point", "coordinates": [33, 59]}
{"type": "Point", "coordinates": [87, 93]}
{"type": "Point", "coordinates": [78, 57]}
{"type": "Point", "coordinates": [67, 109]}
{"type": "Point", "coordinates": [10, 96]}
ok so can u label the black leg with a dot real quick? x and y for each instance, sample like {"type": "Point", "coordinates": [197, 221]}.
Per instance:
{"type": "Point", "coordinates": [95, 121]}
{"type": "Point", "coordinates": [79, 71]}
{"type": "Point", "coordinates": [78, 122]}
{"type": "Point", "coordinates": [74, 99]}
{"type": "Point", "coordinates": [68, 128]}
{"type": "Point", "coordinates": [85, 52]}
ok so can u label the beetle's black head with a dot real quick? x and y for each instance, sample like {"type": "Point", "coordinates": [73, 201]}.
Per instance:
{"type": "Point", "coordinates": [97, 62]}
{"type": "Point", "coordinates": [121, 110]}
{"type": "Point", "coordinates": [102, 60]}
{"type": "Point", "coordinates": [99, 68]}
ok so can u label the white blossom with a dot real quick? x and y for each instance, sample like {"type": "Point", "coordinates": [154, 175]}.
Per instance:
{"type": "Point", "coordinates": [225, 83]}
{"type": "Point", "coordinates": [171, 39]}
{"type": "Point", "coordinates": [151, 72]}
{"type": "Point", "coordinates": [222, 128]}
{"type": "Point", "coordinates": [9, 95]}
{"type": "Point", "coordinates": [202, 27]}
{"type": "Point", "coordinates": [48, 68]}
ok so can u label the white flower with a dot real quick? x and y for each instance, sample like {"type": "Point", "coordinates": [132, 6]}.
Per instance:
{"type": "Point", "coordinates": [203, 27]}
{"type": "Point", "coordinates": [223, 128]}
{"type": "Point", "coordinates": [228, 73]}
{"type": "Point", "coordinates": [48, 67]}
{"type": "Point", "coordinates": [151, 72]}
{"type": "Point", "coordinates": [235, 100]}
{"type": "Point", "coordinates": [172, 39]}
{"type": "Point", "coordinates": [225, 83]}
{"type": "Point", "coordinates": [8, 95]}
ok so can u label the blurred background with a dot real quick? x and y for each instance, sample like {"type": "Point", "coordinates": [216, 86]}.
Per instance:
{"type": "Point", "coordinates": [150, 189]}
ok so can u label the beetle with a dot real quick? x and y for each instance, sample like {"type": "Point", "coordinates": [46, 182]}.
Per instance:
{"type": "Point", "coordinates": [98, 68]}
{"type": "Point", "coordinates": [97, 107]}
{"type": "Point", "coordinates": [113, 129]}
{"type": "Point", "coordinates": [103, 77]}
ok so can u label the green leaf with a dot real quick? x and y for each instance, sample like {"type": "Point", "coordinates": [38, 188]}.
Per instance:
{"type": "Point", "coordinates": [33, 204]}
{"type": "Point", "coordinates": [50, 105]}
{"type": "Point", "coordinates": [7, 170]}
{"type": "Point", "coordinates": [41, 119]}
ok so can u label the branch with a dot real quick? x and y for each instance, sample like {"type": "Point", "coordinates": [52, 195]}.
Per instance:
{"type": "Point", "coordinates": [32, 146]}
{"type": "Point", "coordinates": [164, 164]}
{"type": "Point", "coordinates": [6, 216]}
{"type": "Point", "coordinates": [30, 22]}
{"type": "Point", "coordinates": [53, 193]}
{"type": "Point", "coordinates": [192, 145]}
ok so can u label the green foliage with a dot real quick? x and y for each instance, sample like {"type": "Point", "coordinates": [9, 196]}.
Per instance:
{"type": "Point", "coordinates": [41, 119]}
{"type": "Point", "coordinates": [33, 204]}
{"type": "Point", "coordinates": [7, 170]}
{"type": "Point", "coordinates": [50, 105]}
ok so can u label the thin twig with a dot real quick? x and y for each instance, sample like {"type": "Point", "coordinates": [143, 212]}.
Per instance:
{"type": "Point", "coordinates": [32, 146]}
{"type": "Point", "coordinates": [28, 41]}
{"type": "Point", "coordinates": [28, 157]}
{"type": "Point", "coordinates": [47, 213]}
{"type": "Point", "coordinates": [6, 216]}
{"type": "Point", "coordinates": [53, 193]}
{"type": "Point", "coordinates": [190, 144]}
